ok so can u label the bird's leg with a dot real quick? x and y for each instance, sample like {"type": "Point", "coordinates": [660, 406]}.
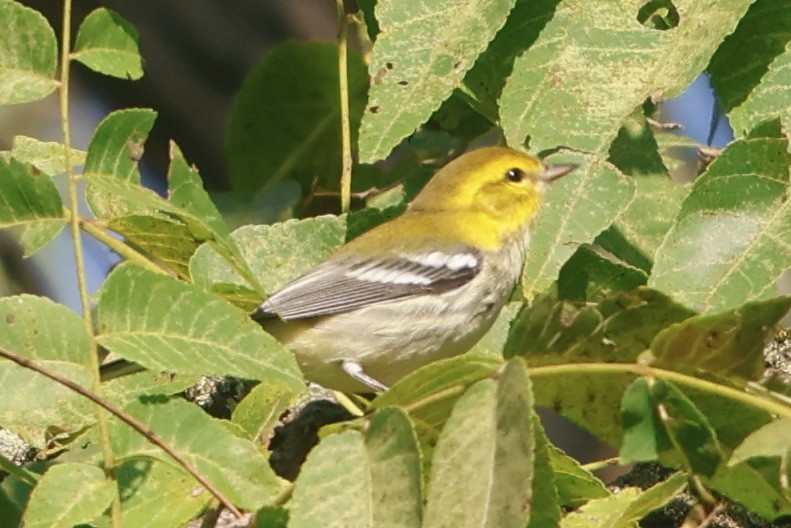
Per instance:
{"type": "Point", "coordinates": [355, 370]}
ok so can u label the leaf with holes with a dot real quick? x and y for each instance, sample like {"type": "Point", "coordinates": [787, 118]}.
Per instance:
{"type": "Point", "coordinates": [555, 97]}
{"type": "Point", "coordinates": [421, 54]}
{"type": "Point", "coordinates": [115, 149]}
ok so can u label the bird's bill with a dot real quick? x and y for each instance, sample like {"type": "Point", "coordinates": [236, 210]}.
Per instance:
{"type": "Point", "coordinates": [553, 172]}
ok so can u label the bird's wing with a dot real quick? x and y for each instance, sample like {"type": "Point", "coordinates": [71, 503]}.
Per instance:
{"type": "Point", "coordinates": [334, 287]}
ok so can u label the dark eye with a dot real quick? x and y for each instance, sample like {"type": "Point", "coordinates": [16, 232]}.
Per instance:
{"type": "Point", "coordinates": [515, 175]}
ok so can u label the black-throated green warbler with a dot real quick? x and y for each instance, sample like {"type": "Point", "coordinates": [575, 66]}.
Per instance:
{"type": "Point", "coordinates": [424, 286]}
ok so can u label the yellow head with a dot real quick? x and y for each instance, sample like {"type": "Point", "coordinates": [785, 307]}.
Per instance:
{"type": "Point", "coordinates": [500, 182]}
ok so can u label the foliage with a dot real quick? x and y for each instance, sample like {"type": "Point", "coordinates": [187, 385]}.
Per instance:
{"type": "Point", "coordinates": [641, 315]}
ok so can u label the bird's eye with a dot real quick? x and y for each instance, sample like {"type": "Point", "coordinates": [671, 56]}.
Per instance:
{"type": "Point", "coordinates": [515, 175]}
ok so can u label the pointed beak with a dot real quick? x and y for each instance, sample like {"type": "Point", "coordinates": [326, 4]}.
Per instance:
{"type": "Point", "coordinates": [553, 172]}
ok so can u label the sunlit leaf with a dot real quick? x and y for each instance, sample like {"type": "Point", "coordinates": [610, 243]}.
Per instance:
{"type": "Point", "coordinates": [28, 54]}
{"type": "Point", "coordinates": [729, 242]}
{"type": "Point", "coordinates": [68, 494]}
{"type": "Point", "coordinates": [232, 464]}
{"type": "Point", "coordinates": [422, 52]}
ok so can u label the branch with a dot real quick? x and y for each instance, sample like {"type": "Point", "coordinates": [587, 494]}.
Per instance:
{"type": "Point", "coordinates": [129, 420]}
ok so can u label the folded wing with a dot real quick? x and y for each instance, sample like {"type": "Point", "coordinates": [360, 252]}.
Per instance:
{"type": "Point", "coordinates": [335, 287]}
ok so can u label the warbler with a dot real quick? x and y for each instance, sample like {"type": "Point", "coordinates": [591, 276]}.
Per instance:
{"type": "Point", "coordinates": [421, 287]}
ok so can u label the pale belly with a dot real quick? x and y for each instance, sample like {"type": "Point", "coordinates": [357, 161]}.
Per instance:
{"type": "Point", "coordinates": [389, 340]}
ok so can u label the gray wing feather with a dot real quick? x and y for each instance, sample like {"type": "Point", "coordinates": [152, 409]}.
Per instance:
{"type": "Point", "coordinates": [333, 288]}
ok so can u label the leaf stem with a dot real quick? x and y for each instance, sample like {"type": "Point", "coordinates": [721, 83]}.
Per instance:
{"type": "Point", "coordinates": [123, 250]}
{"type": "Point", "coordinates": [129, 420]}
{"type": "Point", "coordinates": [343, 83]}
{"type": "Point", "coordinates": [600, 464]}
{"type": "Point", "coordinates": [76, 236]}
{"type": "Point", "coordinates": [753, 400]}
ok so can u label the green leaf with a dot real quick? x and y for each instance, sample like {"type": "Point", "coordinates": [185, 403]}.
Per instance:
{"type": "Point", "coordinates": [276, 204]}
{"type": "Point", "coordinates": [644, 437]}
{"type": "Point", "coordinates": [124, 390]}
{"type": "Point", "coordinates": [185, 191]}
{"type": "Point", "coordinates": [618, 328]}
{"type": "Point", "coordinates": [728, 343]}
{"type": "Point", "coordinates": [756, 485]}
{"type": "Point", "coordinates": [590, 275]}
{"type": "Point", "coordinates": [231, 463]}
{"type": "Point", "coordinates": [276, 254]}
{"type": "Point", "coordinates": [493, 341]}
{"type": "Point", "coordinates": [771, 440]}
{"type": "Point", "coordinates": [485, 454]}
{"type": "Point", "coordinates": [576, 209]}
{"type": "Point", "coordinates": [420, 55]}
{"type": "Point", "coordinates": [168, 230]}
{"type": "Point", "coordinates": [37, 328]}
{"type": "Point", "coordinates": [606, 512]}
{"type": "Point", "coordinates": [334, 485]}
{"type": "Point", "coordinates": [115, 149]}
{"type": "Point", "coordinates": [157, 494]}
{"type": "Point", "coordinates": [589, 399]}
{"type": "Point", "coordinates": [429, 393]}
{"type": "Point", "coordinates": [51, 334]}
{"type": "Point", "coordinates": [68, 494]}
{"type": "Point", "coordinates": [552, 332]}
{"type": "Point", "coordinates": [54, 408]}
{"type": "Point", "coordinates": [484, 83]}
{"type": "Point", "coordinates": [731, 419]}
{"type": "Point", "coordinates": [746, 55]}
{"type": "Point", "coordinates": [169, 241]}
{"type": "Point", "coordinates": [728, 244]}
{"type": "Point", "coordinates": [396, 480]}
{"type": "Point", "coordinates": [291, 99]}
{"type": "Point", "coordinates": [640, 228]}
{"type": "Point", "coordinates": [259, 411]}
{"type": "Point", "coordinates": [593, 64]}
{"type": "Point", "coordinates": [354, 481]}
{"type": "Point", "coordinates": [46, 156]}
{"type": "Point", "coordinates": [106, 43]}
{"type": "Point", "coordinates": [653, 498]}
{"type": "Point", "coordinates": [545, 505]}
{"type": "Point", "coordinates": [575, 484]}
{"type": "Point", "coordinates": [28, 54]}
{"type": "Point", "coordinates": [763, 102]}
{"type": "Point", "coordinates": [660, 422]}
{"type": "Point", "coordinates": [164, 324]}
{"type": "Point", "coordinates": [32, 201]}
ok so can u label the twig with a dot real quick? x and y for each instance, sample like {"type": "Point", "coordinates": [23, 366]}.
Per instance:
{"type": "Point", "coordinates": [753, 400]}
{"type": "Point", "coordinates": [129, 420]}
{"type": "Point", "coordinates": [600, 464]}
{"type": "Point", "coordinates": [343, 83]}
{"type": "Point", "coordinates": [79, 260]}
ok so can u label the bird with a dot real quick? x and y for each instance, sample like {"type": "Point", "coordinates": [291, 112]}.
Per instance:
{"type": "Point", "coordinates": [423, 286]}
